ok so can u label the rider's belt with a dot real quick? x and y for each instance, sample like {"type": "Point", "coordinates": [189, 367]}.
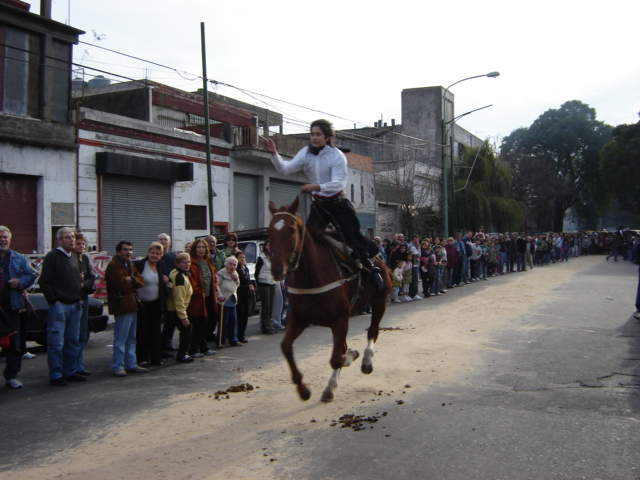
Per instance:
{"type": "Point", "coordinates": [333, 199]}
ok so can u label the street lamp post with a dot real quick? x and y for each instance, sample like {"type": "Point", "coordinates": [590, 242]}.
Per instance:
{"type": "Point", "coordinates": [445, 146]}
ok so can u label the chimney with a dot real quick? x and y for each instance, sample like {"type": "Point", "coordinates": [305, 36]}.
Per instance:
{"type": "Point", "coordinates": [45, 8]}
{"type": "Point", "coordinates": [393, 122]}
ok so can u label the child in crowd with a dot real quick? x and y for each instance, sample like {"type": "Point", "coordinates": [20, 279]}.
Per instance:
{"type": "Point", "coordinates": [407, 266]}
{"type": "Point", "coordinates": [437, 250]}
{"type": "Point", "coordinates": [397, 282]}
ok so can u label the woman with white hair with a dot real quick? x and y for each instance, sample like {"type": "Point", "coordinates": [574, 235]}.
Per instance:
{"type": "Point", "coordinates": [228, 283]}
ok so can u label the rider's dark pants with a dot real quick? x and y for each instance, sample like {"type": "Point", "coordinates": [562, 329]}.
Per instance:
{"type": "Point", "coordinates": [342, 214]}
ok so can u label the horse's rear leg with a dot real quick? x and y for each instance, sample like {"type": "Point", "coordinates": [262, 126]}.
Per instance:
{"type": "Point", "coordinates": [293, 331]}
{"type": "Point", "coordinates": [377, 311]}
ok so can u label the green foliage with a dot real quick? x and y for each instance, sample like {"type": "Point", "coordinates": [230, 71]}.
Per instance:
{"type": "Point", "coordinates": [555, 164]}
{"type": "Point", "coordinates": [620, 167]}
{"type": "Point", "coordinates": [482, 193]}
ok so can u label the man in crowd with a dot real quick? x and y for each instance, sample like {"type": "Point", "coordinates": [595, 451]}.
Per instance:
{"type": "Point", "coordinates": [61, 284]}
{"type": "Point", "coordinates": [217, 257]}
{"type": "Point", "coordinates": [168, 257]}
{"type": "Point", "coordinates": [123, 280]}
{"type": "Point", "coordinates": [15, 276]}
{"type": "Point", "coordinates": [169, 261]}
{"type": "Point", "coordinates": [414, 248]}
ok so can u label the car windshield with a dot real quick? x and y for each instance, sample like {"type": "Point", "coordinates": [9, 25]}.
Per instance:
{"type": "Point", "coordinates": [249, 249]}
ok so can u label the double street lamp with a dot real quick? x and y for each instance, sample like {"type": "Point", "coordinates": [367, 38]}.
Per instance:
{"type": "Point", "coordinates": [445, 146]}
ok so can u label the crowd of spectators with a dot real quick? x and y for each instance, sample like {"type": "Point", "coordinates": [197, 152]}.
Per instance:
{"type": "Point", "coordinates": [439, 264]}
{"type": "Point", "coordinates": [205, 293]}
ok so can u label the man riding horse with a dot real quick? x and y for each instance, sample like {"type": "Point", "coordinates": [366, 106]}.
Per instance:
{"type": "Point", "coordinates": [326, 167]}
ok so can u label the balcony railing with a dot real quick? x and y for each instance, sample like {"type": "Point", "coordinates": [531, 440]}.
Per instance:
{"type": "Point", "coordinates": [252, 137]}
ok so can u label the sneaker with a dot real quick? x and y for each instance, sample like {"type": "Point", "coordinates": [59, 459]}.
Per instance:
{"type": "Point", "coordinates": [417, 297]}
{"type": "Point", "coordinates": [185, 359]}
{"type": "Point", "coordinates": [279, 327]}
{"type": "Point", "coordinates": [397, 300]}
{"type": "Point", "coordinates": [13, 383]}
{"type": "Point", "coordinates": [407, 298]}
{"type": "Point", "coordinates": [210, 352]}
{"type": "Point", "coordinates": [76, 377]}
{"type": "Point", "coordinates": [438, 293]}
{"type": "Point", "coordinates": [28, 356]}
{"type": "Point", "coordinates": [119, 373]}
{"type": "Point", "coordinates": [197, 355]}
{"type": "Point", "coordinates": [58, 382]}
{"type": "Point", "coordinates": [445, 290]}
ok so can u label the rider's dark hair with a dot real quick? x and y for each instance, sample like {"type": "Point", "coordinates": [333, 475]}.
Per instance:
{"type": "Point", "coordinates": [327, 129]}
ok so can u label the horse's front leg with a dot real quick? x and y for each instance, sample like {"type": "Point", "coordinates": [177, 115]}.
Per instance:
{"type": "Point", "coordinates": [340, 357]}
{"type": "Point", "coordinates": [293, 331]}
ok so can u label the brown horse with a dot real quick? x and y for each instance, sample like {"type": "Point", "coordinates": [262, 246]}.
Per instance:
{"type": "Point", "coordinates": [321, 293]}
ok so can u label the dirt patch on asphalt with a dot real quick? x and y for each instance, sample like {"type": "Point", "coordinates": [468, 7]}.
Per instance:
{"type": "Point", "coordinates": [251, 433]}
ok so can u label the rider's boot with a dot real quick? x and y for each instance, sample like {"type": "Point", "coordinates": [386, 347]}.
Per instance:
{"type": "Point", "coordinates": [375, 278]}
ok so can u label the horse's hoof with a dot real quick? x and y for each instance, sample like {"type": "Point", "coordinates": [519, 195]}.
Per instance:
{"type": "Point", "coordinates": [305, 395]}
{"type": "Point", "coordinates": [327, 396]}
{"type": "Point", "coordinates": [355, 353]}
{"type": "Point", "coordinates": [366, 369]}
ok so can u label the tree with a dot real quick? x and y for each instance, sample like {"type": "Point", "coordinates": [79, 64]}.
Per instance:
{"type": "Point", "coordinates": [555, 164]}
{"type": "Point", "coordinates": [620, 166]}
{"type": "Point", "coordinates": [410, 184]}
{"type": "Point", "coordinates": [482, 193]}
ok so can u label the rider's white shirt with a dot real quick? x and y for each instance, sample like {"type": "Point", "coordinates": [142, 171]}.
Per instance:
{"type": "Point", "coordinates": [327, 169]}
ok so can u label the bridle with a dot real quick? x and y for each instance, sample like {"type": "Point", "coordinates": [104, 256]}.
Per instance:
{"type": "Point", "coordinates": [296, 253]}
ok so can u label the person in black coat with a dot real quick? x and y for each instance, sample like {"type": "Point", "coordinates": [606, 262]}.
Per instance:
{"type": "Point", "coordinates": [152, 295]}
{"type": "Point", "coordinates": [245, 291]}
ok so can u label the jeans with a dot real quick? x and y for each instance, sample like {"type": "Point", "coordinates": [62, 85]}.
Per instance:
{"type": "Point", "coordinates": [276, 308]}
{"type": "Point", "coordinates": [415, 277]}
{"type": "Point", "coordinates": [229, 325]}
{"type": "Point", "coordinates": [83, 336]}
{"type": "Point", "coordinates": [124, 342]}
{"type": "Point", "coordinates": [464, 273]}
{"type": "Point", "coordinates": [267, 294]}
{"type": "Point", "coordinates": [503, 262]}
{"type": "Point", "coordinates": [520, 266]}
{"type": "Point", "coordinates": [63, 345]}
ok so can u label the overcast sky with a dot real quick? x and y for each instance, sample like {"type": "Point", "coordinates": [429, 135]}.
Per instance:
{"type": "Point", "coordinates": [349, 60]}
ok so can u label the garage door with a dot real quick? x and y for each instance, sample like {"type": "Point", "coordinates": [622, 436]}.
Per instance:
{"type": "Point", "coordinates": [284, 193]}
{"type": "Point", "coordinates": [134, 209]}
{"type": "Point", "coordinates": [245, 202]}
{"type": "Point", "coordinates": [18, 197]}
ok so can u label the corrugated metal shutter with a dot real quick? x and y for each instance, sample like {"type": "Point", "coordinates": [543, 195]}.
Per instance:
{"type": "Point", "coordinates": [134, 209]}
{"type": "Point", "coordinates": [245, 202]}
{"type": "Point", "coordinates": [284, 193]}
{"type": "Point", "coordinates": [18, 197]}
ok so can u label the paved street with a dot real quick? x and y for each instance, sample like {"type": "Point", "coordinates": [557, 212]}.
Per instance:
{"type": "Point", "coordinates": [532, 375]}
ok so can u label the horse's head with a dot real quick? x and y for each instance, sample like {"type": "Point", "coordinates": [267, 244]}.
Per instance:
{"type": "Point", "coordinates": [285, 237]}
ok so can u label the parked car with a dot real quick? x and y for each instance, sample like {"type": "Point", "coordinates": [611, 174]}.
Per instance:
{"type": "Point", "coordinates": [35, 316]}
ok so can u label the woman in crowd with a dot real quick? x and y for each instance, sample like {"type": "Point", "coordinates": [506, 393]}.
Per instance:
{"type": "Point", "coordinates": [228, 283]}
{"type": "Point", "coordinates": [245, 291]}
{"type": "Point", "coordinates": [427, 268]}
{"type": "Point", "coordinates": [178, 302]}
{"type": "Point", "coordinates": [187, 247]}
{"type": "Point", "coordinates": [152, 295]}
{"type": "Point", "coordinates": [266, 288]}
{"type": "Point", "coordinates": [230, 248]}
{"type": "Point", "coordinates": [88, 287]}
{"type": "Point", "coordinates": [204, 282]}
{"type": "Point", "coordinates": [452, 258]}
{"type": "Point", "coordinates": [397, 254]}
